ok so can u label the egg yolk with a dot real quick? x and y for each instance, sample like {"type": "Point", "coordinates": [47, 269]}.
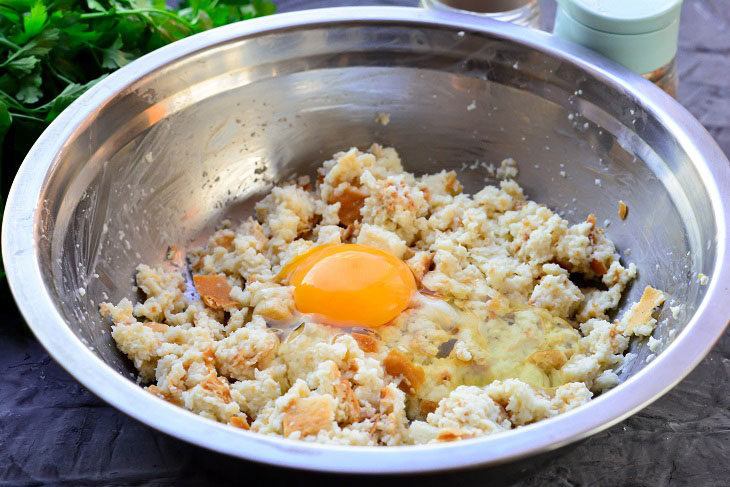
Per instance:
{"type": "Point", "coordinates": [350, 285]}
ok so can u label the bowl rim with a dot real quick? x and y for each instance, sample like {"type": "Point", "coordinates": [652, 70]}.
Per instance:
{"type": "Point", "coordinates": [20, 255]}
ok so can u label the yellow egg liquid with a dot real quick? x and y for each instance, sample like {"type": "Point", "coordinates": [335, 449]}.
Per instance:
{"type": "Point", "coordinates": [529, 344]}
{"type": "Point", "coordinates": [515, 341]}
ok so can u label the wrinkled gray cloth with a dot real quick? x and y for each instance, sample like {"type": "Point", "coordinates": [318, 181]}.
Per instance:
{"type": "Point", "coordinates": [54, 432]}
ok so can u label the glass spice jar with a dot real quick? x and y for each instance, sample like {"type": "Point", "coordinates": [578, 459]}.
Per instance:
{"type": "Point", "coordinates": [640, 34]}
{"type": "Point", "coordinates": [521, 12]}
{"type": "Point", "coordinates": [665, 78]}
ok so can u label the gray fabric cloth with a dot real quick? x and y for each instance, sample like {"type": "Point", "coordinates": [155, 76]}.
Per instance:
{"type": "Point", "coordinates": [54, 432]}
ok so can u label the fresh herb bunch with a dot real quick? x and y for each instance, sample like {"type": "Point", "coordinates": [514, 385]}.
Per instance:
{"type": "Point", "coordinates": [52, 51]}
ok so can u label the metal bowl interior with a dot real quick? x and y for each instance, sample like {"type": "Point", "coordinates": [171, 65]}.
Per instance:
{"type": "Point", "coordinates": [161, 151]}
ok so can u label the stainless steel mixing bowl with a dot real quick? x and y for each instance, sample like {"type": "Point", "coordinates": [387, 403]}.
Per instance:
{"type": "Point", "coordinates": [160, 151]}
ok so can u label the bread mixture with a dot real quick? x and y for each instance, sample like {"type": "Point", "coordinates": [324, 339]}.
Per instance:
{"type": "Point", "coordinates": [380, 308]}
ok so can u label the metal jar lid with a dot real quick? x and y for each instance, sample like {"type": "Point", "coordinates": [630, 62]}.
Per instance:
{"type": "Point", "coordinates": [640, 34]}
{"type": "Point", "coordinates": [480, 6]}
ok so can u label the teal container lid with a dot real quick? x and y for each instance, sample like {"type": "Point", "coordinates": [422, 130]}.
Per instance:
{"type": "Point", "coordinates": [640, 34]}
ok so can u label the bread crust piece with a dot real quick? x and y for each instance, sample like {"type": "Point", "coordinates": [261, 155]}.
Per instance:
{"type": "Point", "coordinates": [548, 359]}
{"type": "Point", "coordinates": [214, 291]}
{"type": "Point", "coordinates": [218, 386]}
{"type": "Point", "coordinates": [308, 415]}
{"type": "Point", "coordinates": [622, 210]}
{"type": "Point", "coordinates": [351, 199]}
{"type": "Point", "coordinates": [157, 327]}
{"type": "Point", "coordinates": [453, 434]}
{"type": "Point", "coordinates": [238, 422]}
{"type": "Point", "coordinates": [348, 401]}
{"type": "Point", "coordinates": [397, 364]}
{"type": "Point", "coordinates": [367, 343]}
{"type": "Point", "coordinates": [640, 314]}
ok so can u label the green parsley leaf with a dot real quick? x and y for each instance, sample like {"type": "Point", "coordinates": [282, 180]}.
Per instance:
{"type": "Point", "coordinates": [23, 65]}
{"type": "Point", "coordinates": [68, 96]}
{"type": "Point", "coordinates": [29, 94]}
{"type": "Point", "coordinates": [114, 56]}
{"type": "Point", "coordinates": [53, 51]}
{"type": "Point", "coordinates": [5, 120]}
{"type": "Point", "coordinates": [30, 88]}
{"type": "Point", "coordinates": [35, 20]}
{"type": "Point", "coordinates": [95, 6]}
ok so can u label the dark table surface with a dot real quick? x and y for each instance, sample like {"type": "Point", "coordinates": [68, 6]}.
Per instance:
{"type": "Point", "coordinates": [54, 432]}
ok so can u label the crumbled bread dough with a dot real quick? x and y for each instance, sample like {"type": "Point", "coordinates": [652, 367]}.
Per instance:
{"type": "Point", "coordinates": [638, 320]}
{"type": "Point", "coordinates": [500, 336]}
{"type": "Point", "coordinates": [507, 169]}
{"type": "Point", "coordinates": [675, 311]}
{"type": "Point", "coordinates": [383, 239]}
{"type": "Point", "coordinates": [383, 118]}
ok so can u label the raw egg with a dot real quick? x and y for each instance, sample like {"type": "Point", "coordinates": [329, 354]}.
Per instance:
{"type": "Point", "coordinates": [350, 285]}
